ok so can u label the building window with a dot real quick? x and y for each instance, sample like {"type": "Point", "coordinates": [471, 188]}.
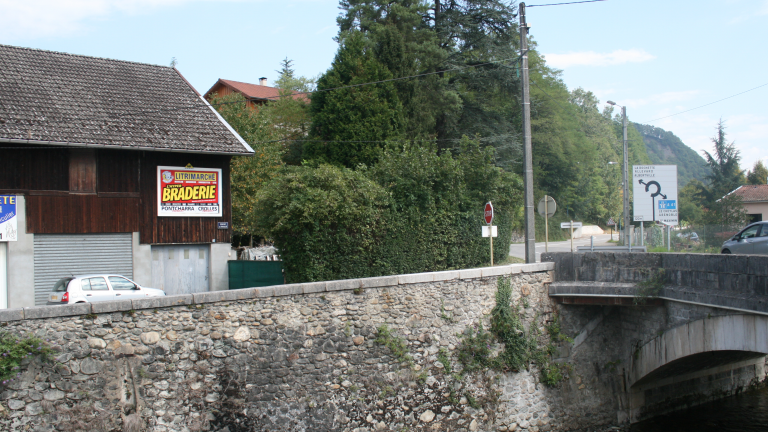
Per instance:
{"type": "Point", "coordinates": [82, 171]}
{"type": "Point", "coordinates": [755, 217]}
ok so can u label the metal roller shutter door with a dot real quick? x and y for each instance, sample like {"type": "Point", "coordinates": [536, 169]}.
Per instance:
{"type": "Point", "coordinates": [61, 255]}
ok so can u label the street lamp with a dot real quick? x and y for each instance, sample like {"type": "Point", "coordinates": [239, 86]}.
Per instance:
{"type": "Point", "coordinates": [626, 175]}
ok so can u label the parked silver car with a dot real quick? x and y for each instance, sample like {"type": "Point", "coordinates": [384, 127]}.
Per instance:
{"type": "Point", "coordinates": [101, 287]}
{"type": "Point", "coordinates": [751, 240]}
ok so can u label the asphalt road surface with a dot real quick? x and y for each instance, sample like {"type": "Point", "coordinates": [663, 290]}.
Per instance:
{"type": "Point", "coordinates": [518, 249]}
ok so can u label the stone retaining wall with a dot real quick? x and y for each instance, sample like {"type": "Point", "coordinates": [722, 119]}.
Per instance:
{"type": "Point", "coordinates": [292, 358]}
{"type": "Point", "coordinates": [286, 358]}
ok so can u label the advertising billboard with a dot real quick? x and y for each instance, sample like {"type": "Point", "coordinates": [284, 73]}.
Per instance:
{"type": "Point", "coordinates": [189, 191]}
{"type": "Point", "coordinates": [654, 191]}
{"type": "Point", "coordinates": [8, 228]}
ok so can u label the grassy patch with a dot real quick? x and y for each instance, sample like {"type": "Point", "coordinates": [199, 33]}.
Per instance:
{"type": "Point", "coordinates": [518, 348]}
{"type": "Point", "coordinates": [14, 349]}
{"type": "Point", "coordinates": [649, 288]}
{"type": "Point", "coordinates": [396, 345]}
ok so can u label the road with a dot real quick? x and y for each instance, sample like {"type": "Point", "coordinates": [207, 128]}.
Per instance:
{"type": "Point", "coordinates": [518, 249]}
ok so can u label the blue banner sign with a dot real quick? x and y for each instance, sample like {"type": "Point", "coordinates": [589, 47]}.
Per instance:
{"type": "Point", "coordinates": [8, 229]}
{"type": "Point", "coordinates": [667, 204]}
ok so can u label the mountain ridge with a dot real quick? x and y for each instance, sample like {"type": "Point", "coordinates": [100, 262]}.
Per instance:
{"type": "Point", "coordinates": [666, 148]}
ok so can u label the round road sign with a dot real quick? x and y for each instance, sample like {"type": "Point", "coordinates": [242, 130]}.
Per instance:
{"type": "Point", "coordinates": [488, 214]}
{"type": "Point", "coordinates": [551, 206]}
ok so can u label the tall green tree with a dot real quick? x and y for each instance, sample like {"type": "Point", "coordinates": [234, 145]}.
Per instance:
{"type": "Point", "coordinates": [758, 175]}
{"type": "Point", "coordinates": [249, 173]}
{"type": "Point", "coordinates": [726, 174]}
{"type": "Point", "coordinates": [289, 114]}
{"type": "Point", "coordinates": [351, 123]}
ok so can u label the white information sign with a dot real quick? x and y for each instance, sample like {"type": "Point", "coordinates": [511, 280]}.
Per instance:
{"type": "Point", "coordinates": [8, 228]}
{"type": "Point", "coordinates": [654, 189]}
{"type": "Point", "coordinates": [566, 225]}
{"type": "Point", "coordinates": [488, 230]}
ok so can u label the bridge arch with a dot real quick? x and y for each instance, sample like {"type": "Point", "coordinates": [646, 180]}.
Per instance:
{"type": "Point", "coordinates": [697, 362]}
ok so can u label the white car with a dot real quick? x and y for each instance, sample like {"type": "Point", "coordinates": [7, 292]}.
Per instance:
{"type": "Point", "coordinates": [102, 287]}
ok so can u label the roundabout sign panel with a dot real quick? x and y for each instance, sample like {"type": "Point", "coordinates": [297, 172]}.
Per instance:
{"type": "Point", "coordinates": [654, 189]}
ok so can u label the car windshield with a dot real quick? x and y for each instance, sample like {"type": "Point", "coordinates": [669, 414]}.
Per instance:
{"type": "Point", "coordinates": [749, 232]}
{"type": "Point", "coordinates": [62, 284]}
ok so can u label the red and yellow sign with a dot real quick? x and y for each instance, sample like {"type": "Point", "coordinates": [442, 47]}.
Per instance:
{"type": "Point", "coordinates": [188, 191]}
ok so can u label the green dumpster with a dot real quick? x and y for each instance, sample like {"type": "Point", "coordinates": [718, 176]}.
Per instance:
{"type": "Point", "coordinates": [250, 274]}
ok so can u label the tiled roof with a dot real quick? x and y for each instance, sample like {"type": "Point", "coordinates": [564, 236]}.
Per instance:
{"type": "Point", "coordinates": [752, 193]}
{"type": "Point", "coordinates": [253, 91]}
{"type": "Point", "coordinates": [49, 97]}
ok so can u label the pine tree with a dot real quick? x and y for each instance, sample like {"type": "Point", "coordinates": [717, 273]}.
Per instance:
{"type": "Point", "coordinates": [758, 175]}
{"type": "Point", "coordinates": [351, 124]}
{"type": "Point", "coordinates": [726, 174]}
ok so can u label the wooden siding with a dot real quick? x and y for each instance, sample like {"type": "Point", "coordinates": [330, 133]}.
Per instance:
{"type": "Point", "coordinates": [125, 199]}
{"type": "Point", "coordinates": [118, 172]}
{"type": "Point", "coordinates": [81, 214]}
{"type": "Point", "coordinates": [82, 171]}
{"type": "Point", "coordinates": [26, 167]}
{"type": "Point", "coordinates": [168, 230]}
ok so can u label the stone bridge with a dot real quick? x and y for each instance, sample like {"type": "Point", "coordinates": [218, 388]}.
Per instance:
{"type": "Point", "coordinates": [681, 329]}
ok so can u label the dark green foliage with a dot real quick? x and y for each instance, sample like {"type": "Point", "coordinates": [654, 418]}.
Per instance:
{"type": "Point", "coordinates": [506, 325]}
{"type": "Point", "coordinates": [351, 125]}
{"type": "Point", "coordinates": [14, 350]}
{"type": "Point", "coordinates": [416, 210]}
{"type": "Point", "coordinates": [665, 148]}
{"type": "Point", "coordinates": [397, 345]}
{"type": "Point", "coordinates": [758, 175]}
{"type": "Point", "coordinates": [650, 287]}
{"type": "Point", "coordinates": [326, 221]}
{"type": "Point", "coordinates": [476, 351]}
{"type": "Point", "coordinates": [725, 172]}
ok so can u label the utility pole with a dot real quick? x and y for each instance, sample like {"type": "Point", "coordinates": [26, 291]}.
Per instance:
{"type": "Point", "coordinates": [625, 172]}
{"type": "Point", "coordinates": [530, 233]}
{"type": "Point", "coordinates": [626, 181]}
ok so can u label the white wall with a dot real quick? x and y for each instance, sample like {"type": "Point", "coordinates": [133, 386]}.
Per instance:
{"type": "Point", "coordinates": [142, 262]}
{"type": "Point", "coordinates": [219, 271]}
{"type": "Point", "coordinates": [21, 262]}
{"type": "Point", "coordinates": [761, 208]}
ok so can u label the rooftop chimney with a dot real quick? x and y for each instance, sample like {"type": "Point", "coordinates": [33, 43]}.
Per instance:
{"type": "Point", "coordinates": [262, 81]}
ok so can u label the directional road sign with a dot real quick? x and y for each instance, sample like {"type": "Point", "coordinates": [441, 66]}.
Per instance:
{"type": "Point", "coordinates": [568, 225]}
{"type": "Point", "coordinates": [654, 190]}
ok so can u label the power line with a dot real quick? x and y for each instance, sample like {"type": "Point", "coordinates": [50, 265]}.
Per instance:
{"type": "Point", "coordinates": [711, 103]}
{"type": "Point", "coordinates": [568, 3]}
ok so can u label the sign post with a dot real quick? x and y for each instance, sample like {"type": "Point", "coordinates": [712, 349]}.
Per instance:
{"type": "Point", "coordinates": [547, 207]}
{"type": "Point", "coordinates": [488, 215]}
{"type": "Point", "coordinates": [611, 224]}
{"type": "Point", "coordinates": [571, 225]}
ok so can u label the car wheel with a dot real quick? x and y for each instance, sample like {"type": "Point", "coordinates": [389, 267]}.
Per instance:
{"type": "Point", "coordinates": [726, 251]}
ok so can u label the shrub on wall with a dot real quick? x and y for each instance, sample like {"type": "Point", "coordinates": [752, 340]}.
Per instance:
{"type": "Point", "coordinates": [416, 210]}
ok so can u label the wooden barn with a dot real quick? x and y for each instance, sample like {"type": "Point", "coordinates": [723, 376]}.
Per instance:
{"type": "Point", "coordinates": [109, 166]}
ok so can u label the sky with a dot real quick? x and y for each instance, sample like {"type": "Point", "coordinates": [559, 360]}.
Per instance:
{"type": "Point", "coordinates": [656, 57]}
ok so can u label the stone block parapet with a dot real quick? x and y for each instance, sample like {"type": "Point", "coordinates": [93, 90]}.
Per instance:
{"type": "Point", "coordinates": [53, 311]}
{"type": "Point", "coordinates": [735, 282]}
